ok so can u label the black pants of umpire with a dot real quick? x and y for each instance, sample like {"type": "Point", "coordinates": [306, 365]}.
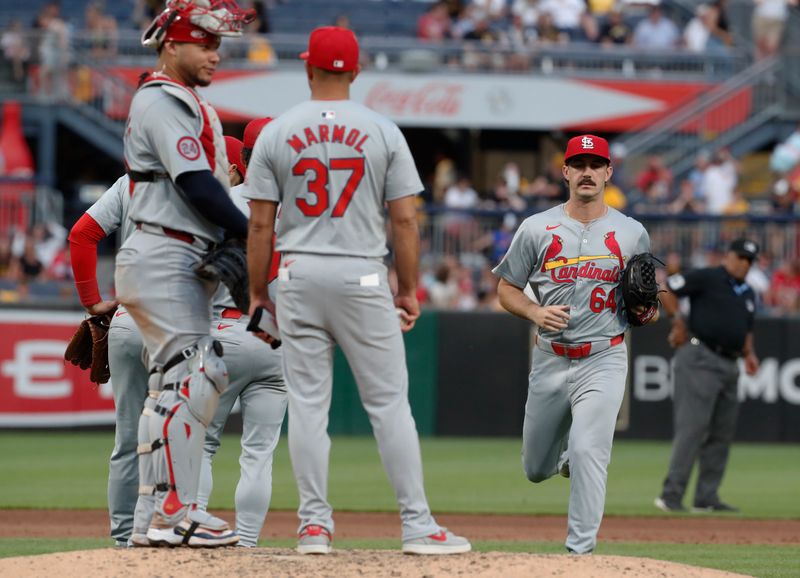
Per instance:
{"type": "Point", "coordinates": [705, 408]}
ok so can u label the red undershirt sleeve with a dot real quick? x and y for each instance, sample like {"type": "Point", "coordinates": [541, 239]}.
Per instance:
{"type": "Point", "coordinates": [83, 240]}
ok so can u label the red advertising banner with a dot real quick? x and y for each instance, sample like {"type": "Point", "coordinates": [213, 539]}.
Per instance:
{"type": "Point", "coordinates": [37, 387]}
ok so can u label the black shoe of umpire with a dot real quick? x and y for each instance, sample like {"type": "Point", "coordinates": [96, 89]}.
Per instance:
{"type": "Point", "coordinates": [717, 507]}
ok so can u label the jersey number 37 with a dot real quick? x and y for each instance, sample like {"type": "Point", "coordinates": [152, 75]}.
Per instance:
{"type": "Point", "coordinates": [317, 184]}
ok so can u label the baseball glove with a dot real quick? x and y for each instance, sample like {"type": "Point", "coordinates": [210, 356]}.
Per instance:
{"type": "Point", "coordinates": [228, 263]}
{"type": "Point", "coordinates": [639, 289]}
{"type": "Point", "coordinates": [88, 348]}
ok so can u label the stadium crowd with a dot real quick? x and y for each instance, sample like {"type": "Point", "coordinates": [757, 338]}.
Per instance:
{"type": "Point", "coordinates": [476, 225]}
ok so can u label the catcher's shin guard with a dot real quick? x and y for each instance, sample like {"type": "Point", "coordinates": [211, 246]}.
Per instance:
{"type": "Point", "coordinates": [146, 502]}
{"type": "Point", "coordinates": [179, 423]}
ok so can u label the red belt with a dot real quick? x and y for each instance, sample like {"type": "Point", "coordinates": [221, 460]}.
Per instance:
{"type": "Point", "coordinates": [231, 313]}
{"type": "Point", "coordinates": [580, 350]}
{"type": "Point", "coordinates": [174, 233]}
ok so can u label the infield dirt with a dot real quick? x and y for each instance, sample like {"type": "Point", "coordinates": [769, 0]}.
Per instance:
{"type": "Point", "coordinates": [269, 562]}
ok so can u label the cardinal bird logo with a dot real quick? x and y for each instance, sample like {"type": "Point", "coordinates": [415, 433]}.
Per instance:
{"type": "Point", "coordinates": [613, 247]}
{"type": "Point", "coordinates": [556, 244]}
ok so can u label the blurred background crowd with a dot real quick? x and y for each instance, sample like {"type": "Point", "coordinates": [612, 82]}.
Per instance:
{"type": "Point", "coordinates": [467, 223]}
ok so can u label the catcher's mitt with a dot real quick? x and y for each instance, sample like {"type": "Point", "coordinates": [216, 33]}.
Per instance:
{"type": "Point", "coordinates": [88, 348]}
{"type": "Point", "coordinates": [639, 289]}
{"type": "Point", "coordinates": [228, 263]}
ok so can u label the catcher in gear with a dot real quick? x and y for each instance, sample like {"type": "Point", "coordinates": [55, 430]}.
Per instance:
{"type": "Point", "coordinates": [176, 158]}
{"type": "Point", "coordinates": [572, 257]}
{"type": "Point", "coordinates": [640, 289]}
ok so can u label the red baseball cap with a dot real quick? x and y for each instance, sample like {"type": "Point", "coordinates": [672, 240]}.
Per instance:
{"type": "Point", "coordinates": [253, 129]}
{"type": "Point", "coordinates": [332, 48]}
{"type": "Point", "coordinates": [587, 144]}
{"type": "Point", "coordinates": [182, 30]}
{"type": "Point", "coordinates": [233, 147]}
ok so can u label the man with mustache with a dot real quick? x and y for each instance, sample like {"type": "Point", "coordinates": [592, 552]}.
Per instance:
{"type": "Point", "coordinates": [572, 256]}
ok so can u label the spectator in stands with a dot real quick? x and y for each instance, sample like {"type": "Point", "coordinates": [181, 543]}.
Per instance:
{"type": "Point", "coordinates": [758, 277]}
{"type": "Point", "coordinates": [548, 32]}
{"type": "Point", "coordinates": [15, 50]}
{"type": "Point", "coordinates": [784, 293]}
{"type": "Point", "coordinates": [686, 202]}
{"type": "Point", "coordinates": [615, 30]}
{"type": "Point", "coordinates": [460, 225]}
{"type": "Point", "coordinates": [6, 257]}
{"type": "Point", "coordinates": [443, 293]}
{"type": "Point", "coordinates": [102, 31]}
{"type": "Point", "coordinates": [461, 195]}
{"type": "Point", "coordinates": [27, 267]}
{"type": "Point", "coordinates": [495, 243]}
{"type": "Point", "coordinates": [492, 10]}
{"type": "Point", "coordinates": [655, 181]}
{"type": "Point", "coordinates": [527, 11]}
{"type": "Point", "coordinates": [703, 33]}
{"type": "Point", "coordinates": [444, 177]}
{"type": "Point", "coordinates": [769, 22]}
{"type": "Point", "coordinates": [54, 54]}
{"type": "Point", "coordinates": [738, 205]}
{"type": "Point", "coordinates": [518, 41]}
{"type": "Point", "coordinates": [786, 193]}
{"type": "Point", "coordinates": [434, 25]}
{"type": "Point", "coordinates": [701, 163]}
{"type": "Point", "coordinates": [786, 154]}
{"type": "Point", "coordinates": [656, 32]}
{"type": "Point", "coordinates": [719, 182]}
{"type": "Point", "coordinates": [569, 16]}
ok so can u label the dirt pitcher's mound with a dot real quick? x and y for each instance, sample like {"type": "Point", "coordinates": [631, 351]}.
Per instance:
{"type": "Point", "coordinates": [145, 563]}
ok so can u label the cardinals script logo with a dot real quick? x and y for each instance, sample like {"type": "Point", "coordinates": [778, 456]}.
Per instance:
{"type": "Point", "coordinates": [566, 269]}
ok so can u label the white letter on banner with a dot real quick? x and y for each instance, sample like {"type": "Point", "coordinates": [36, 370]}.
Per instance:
{"type": "Point", "coordinates": [651, 380]}
{"type": "Point", "coordinates": [25, 370]}
{"type": "Point", "coordinates": [763, 384]}
{"type": "Point", "coordinates": [790, 391]}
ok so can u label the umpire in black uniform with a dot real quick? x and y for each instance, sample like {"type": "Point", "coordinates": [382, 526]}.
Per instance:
{"type": "Point", "coordinates": [705, 399]}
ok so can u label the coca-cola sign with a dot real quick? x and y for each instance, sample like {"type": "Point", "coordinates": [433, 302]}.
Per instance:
{"type": "Point", "coordinates": [433, 99]}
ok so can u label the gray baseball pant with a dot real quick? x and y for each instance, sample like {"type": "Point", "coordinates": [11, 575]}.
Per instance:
{"type": "Point", "coordinates": [129, 386]}
{"type": "Point", "coordinates": [573, 403]}
{"type": "Point", "coordinates": [257, 381]}
{"type": "Point", "coordinates": [325, 300]}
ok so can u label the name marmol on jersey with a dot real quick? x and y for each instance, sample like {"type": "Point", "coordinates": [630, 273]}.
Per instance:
{"type": "Point", "coordinates": [338, 133]}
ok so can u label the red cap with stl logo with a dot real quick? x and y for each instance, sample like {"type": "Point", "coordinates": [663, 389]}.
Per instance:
{"type": "Point", "coordinates": [587, 144]}
{"type": "Point", "coordinates": [233, 146]}
{"type": "Point", "coordinates": [332, 48]}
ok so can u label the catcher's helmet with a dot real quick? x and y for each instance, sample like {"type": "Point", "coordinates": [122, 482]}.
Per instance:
{"type": "Point", "coordinates": [196, 21]}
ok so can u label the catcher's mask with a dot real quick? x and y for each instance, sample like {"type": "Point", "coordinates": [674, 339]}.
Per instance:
{"type": "Point", "coordinates": [196, 21]}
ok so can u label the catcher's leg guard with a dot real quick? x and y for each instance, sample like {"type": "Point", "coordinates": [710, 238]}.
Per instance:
{"type": "Point", "coordinates": [178, 428]}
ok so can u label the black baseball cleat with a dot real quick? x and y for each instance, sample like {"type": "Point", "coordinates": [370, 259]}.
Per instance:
{"type": "Point", "coordinates": [717, 507]}
{"type": "Point", "coordinates": [668, 505]}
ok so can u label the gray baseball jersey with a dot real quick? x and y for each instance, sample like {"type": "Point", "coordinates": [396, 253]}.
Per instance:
{"type": "Point", "coordinates": [112, 208]}
{"type": "Point", "coordinates": [332, 165]}
{"type": "Point", "coordinates": [567, 262]}
{"type": "Point", "coordinates": [573, 400]}
{"type": "Point", "coordinates": [172, 131]}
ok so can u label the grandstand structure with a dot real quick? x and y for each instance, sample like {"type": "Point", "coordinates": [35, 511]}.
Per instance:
{"type": "Point", "coordinates": [675, 104]}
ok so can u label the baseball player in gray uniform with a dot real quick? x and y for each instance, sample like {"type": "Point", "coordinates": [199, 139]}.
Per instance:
{"type": "Point", "coordinates": [129, 375]}
{"type": "Point", "coordinates": [572, 257]}
{"type": "Point", "coordinates": [333, 164]}
{"type": "Point", "coordinates": [175, 154]}
{"type": "Point", "coordinates": [257, 382]}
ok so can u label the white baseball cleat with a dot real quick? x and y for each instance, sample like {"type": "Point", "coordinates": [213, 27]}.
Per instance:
{"type": "Point", "coordinates": [193, 534]}
{"type": "Point", "coordinates": [314, 539]}
{"type": "Point", "coordinates": [442, 543]}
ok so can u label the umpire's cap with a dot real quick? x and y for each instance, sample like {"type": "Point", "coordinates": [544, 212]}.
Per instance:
{"type": "Point", "coordinates": [745, 248]}
{"type": "Point", "coordinates": [587, 144]}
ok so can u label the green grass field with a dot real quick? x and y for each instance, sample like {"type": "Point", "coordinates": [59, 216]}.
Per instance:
{"type": "Point", "coordinates": [68, 470]}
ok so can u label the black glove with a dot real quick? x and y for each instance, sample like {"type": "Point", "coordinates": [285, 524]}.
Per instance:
{"type": "Point", "coordinates": [639, 289]}
{"type": "Point", "coordinates": [228, 263]}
